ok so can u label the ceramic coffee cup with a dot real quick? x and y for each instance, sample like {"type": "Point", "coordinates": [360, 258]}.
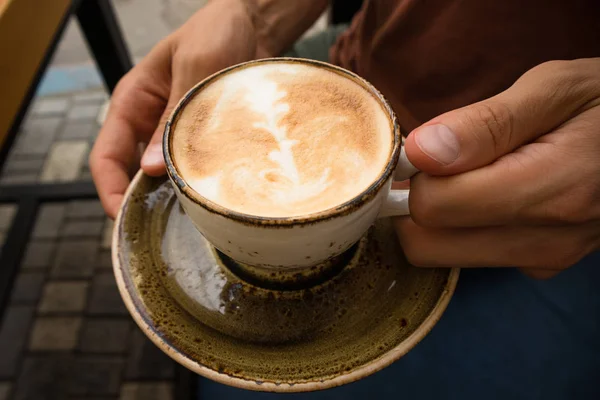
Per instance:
{"type": "Point", "coordinates": [299, 241]}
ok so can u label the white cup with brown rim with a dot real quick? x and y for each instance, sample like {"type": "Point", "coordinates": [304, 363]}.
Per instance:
{"type": "Point", "coordinates": [285, 242]}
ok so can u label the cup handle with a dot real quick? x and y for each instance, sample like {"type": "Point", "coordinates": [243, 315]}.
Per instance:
{"type": "Point", "coordinates": [396, 203]}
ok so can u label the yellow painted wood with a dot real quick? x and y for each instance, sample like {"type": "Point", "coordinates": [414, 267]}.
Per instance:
{"type": "Point", "coordinates": [26, 31]}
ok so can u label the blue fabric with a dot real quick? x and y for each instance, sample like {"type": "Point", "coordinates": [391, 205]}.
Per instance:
{"type": "Point", "coordinates": [503, 336]}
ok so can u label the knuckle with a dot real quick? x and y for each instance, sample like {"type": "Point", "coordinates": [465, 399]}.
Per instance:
{"type": "Point", "coordinates": [411, 245]}
{"type": "Point", "coordinates": [539, 273]}
{"type": "Point", "coordinates": [414, 256]}
{"type": "Point", "coordinates": [569, 254]}
{"type": "Point", "coordinates": [553, 74]}
{"type": "Point", "coordinates": [564, 260]}
{"type": "Point", "coordinates": [125, 83]}
{"type": "Point", "coordinates": [576, 208]}
{"type": "Point", "coordinates": [551, 67]}
{"type": "Point", "coordinates": [568, 79]}
{"type": "Point", "coordinates": [495, 121]}
{"type": "Point", "coordinates": [424, 209]}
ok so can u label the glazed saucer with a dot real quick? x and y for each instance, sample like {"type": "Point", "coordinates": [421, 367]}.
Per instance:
{"type": "Point", "coordinates": [202, 310]}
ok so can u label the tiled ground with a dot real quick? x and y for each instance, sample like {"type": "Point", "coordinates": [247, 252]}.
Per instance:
{"type": "Point", "coordinates": [55, 139]}
{"type": "Point", "coordinates": [66, 333]}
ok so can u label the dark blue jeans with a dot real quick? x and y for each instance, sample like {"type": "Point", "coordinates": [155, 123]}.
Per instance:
{"type": "Point", "coordinates": [503, 336]}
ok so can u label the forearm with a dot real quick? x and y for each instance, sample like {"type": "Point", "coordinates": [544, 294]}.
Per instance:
{"type": "Point", "coordinates": [279, 23]}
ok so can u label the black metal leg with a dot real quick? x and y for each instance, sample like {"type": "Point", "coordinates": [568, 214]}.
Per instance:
{"type": "Point", "coordinates": [14, 247]}
{"type": "Point", "coordinates": [103, 34]}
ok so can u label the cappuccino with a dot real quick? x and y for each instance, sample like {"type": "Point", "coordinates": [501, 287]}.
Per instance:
{"type": "Point", "coordinates": [281, 139]}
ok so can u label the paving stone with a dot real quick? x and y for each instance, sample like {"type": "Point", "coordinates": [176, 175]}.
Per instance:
{"type": "Point", "coordinates": [79, 130]}
{"type": "Point", "coordinates": [104, 260]}
{"type": "Point", "coordinates": [105, 298]}
{"type": "Point", "coordinates": [49, 221]}
{"type": "Point", "coordinates": [44, 377]}
{"type": "Point", "coordinates": [13, 337]}
{"type": "Point", "coordinates": [64, 161]}
{"type": "Point", "coordinates": [90, 97]}
{"type": "Point", "coordinates": [147, 391]}
{"type": "Point", "coordinates": [92, 139]}
{"type": "Point", "coordinates": [27, 287]}
{"type": "Point", "coordinates": [23, 165]}
{"type": "Point", "coordinates": [107, 234]}
{"type": "Point", "coordinates": [4, 390]}
{"type": "Point", "coordinates": [20, 178]}
{"type": "Point", "coordinates": [38, 255]}
{"type": "Point", "coordinates": [89, 228]}
{"type": "Point", "coordinates": [55, 333]}
{"type": "Point", "coordinates": [106, 335]}
{"type": "Point", "coordinates": [81, 112]}
{"type": "Point", "coordinates": [85, 209]}
{"type": "Point", "coordinates": [41, 124]}
{"type": "Point", "coordinates": [146, 361]}
{"type": "Point", "coordinates": [51, 106]}
{"type": "Point", "coordinates": [96, 375]}
{"type": "Point", "coordinates": [7, 213]}
{"type": "Point", "coordinates": [75, 258]}
{"type": "Point", "coordinates": [37, 136]}
{"type": "Point", "coordinates": [64, 297]}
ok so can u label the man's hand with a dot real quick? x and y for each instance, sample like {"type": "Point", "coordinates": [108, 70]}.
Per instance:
{"type": "Point", "coordinates": [512, 181]}
{"type": "Point", "coordinates": [219, 35]}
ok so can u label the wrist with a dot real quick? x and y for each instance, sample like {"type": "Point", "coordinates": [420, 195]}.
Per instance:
{"type": "Point", "coordinates": [265, 34]}
{"type": "Point", "coordinates": [279, 23]}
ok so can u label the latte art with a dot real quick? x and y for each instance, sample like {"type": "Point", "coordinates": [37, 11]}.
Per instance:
{"type": "Point", "coordinates": [281, 139]}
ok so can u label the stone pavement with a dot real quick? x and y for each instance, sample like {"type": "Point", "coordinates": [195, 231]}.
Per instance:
{"type": "Point", "coordinates": [66, 333]}
{"type": "Point", "coordinates": [55, 140]}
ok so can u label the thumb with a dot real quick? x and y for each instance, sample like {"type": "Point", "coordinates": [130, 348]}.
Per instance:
{"type": "Point", "coordinates": [478, 134]}
{"type": "Point", "coordinates": [153, 161]}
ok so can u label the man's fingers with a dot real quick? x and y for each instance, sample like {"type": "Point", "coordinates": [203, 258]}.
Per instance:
{"type": "Point", "coordinates": [401, 185]}
{"type": "Point", "coordinates": [549, 182]}
{"type": "Point", "coordinates": [539, 273]}
{"type": "Point", "coordinates": [553, 248]}
{"type": "Point", "coordinates": [153, 161]}
{"type": "Point", "coordinates": [478, 134]}
{"type": "Point", "coordinates": [491, 195]}
{"type": "Point", "coordinates": [111, 162]}
{"type": "Point", "coordinates": [111, 186]}
{"type": "Point", "coordinates": [135, 107]}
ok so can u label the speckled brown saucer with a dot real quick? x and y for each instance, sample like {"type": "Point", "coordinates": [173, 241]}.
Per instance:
{"type": "Point", "coordinates": [372, 310]}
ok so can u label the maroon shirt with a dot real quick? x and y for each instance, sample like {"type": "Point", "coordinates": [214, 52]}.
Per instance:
{"type": "Point", "coordinates": [431, 56]}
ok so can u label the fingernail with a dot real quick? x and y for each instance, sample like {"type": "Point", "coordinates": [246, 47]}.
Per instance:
{"type": "Point", "coordinates": [439, 143]}
{"type": "Point", "coordinates": [153, 155]}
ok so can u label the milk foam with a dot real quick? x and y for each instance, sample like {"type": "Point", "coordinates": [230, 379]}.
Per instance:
{"type": "Point", "coordinates": [281, 139]}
